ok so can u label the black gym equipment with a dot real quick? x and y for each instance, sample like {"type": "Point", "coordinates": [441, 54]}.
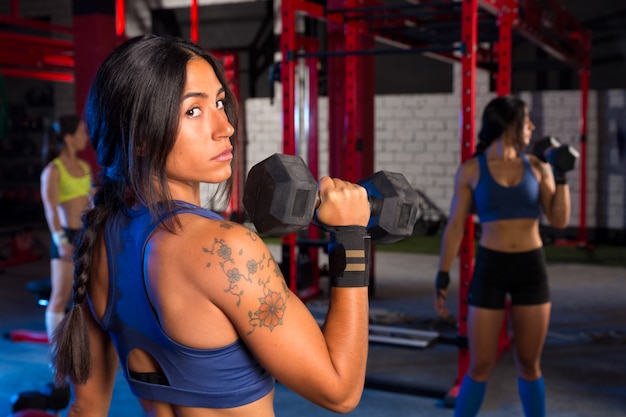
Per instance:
{"type": "Point", "coordinates": [562, 157]}
{"type": "Point", "coordinates": [41, 289]}
{"type": "Point", "coordinates": [432, 218]}
{"type": "Point", "coordinates": [32, 413]}
{"type": "Point", "coordinates": [281, 197]}
{"type": "Point", "coordinates": [48, 397]}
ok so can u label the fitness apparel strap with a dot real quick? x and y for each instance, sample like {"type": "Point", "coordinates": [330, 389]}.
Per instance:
{"type": "Point", "coordinates": [349, 256]}
{"type": "Point", "coordinates": [559, 176]}
{"type": "Point", "coordinates": [443, 280]}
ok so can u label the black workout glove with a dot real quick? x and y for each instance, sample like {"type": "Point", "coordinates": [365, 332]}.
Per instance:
{"type": "Point", "coordinates": [562, 159]}
{"type": "Point", "coordinates": [559, 174]}
{"type": "Point", "coordinates": [349, 256]}
{"type": "Point", "coordinates": [442, 281]}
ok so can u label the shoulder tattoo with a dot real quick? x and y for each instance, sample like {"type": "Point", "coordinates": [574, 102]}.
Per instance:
{"type": "Point", "coordinates": [263, 272]}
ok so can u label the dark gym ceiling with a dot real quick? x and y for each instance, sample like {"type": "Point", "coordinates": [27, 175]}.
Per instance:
{"type": "Point", "coordinates": [248, 28]}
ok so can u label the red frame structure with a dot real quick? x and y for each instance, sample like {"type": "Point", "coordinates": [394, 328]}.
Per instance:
{"type": "Point", "coordinates": [50, 55]}
{"type": "Point", "coordinates": [49, 58]}
{"type": "Point", "coordinates": [544, 23]}
{"type": "Point", "coordinates": [311, 45]}
{"type": "Point", "coordinates": [230, 62]}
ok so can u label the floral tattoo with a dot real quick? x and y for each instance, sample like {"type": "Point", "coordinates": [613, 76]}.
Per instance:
{"type": "Point", "coordinates": [272, 305]}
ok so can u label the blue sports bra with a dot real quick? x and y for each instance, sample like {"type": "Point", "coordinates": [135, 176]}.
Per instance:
{"type": "Point", "coordinates": [215, 378]}
{"type": "Point", "coordinates": [495, 202]}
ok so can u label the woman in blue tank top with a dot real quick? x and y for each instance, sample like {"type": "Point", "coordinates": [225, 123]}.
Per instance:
{"type": "Point", "coordinates": [509, 190]}
{"type": "Point", "coordinates": [192, 307]}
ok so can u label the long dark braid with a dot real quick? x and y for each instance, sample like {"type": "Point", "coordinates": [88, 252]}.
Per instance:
{"type": "Point", "coordinates": [71, 355]}
{"type": "Point", "coordinates": [132, 114]}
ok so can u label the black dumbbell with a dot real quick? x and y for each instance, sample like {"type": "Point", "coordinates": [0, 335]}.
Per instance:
{"type": "Point", "coordinates": [41, 289]}
{"type": "Point", "coordinates": [49, 397]}
{"type": "Point", "coordinates": [280, 196]}
{"type": "Point", "coordinates": [561, 157]}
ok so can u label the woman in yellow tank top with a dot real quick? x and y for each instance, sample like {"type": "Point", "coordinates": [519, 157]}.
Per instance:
{"type": "Point", "coordinates": [66, 192]}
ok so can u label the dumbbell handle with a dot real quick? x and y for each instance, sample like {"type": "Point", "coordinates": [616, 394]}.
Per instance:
{"type": "Point", "coordinates": [554, 143]}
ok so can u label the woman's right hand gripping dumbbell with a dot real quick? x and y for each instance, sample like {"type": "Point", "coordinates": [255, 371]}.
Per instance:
{"type": "Point", "coordinates": [342, 203]}
{"type": "Point", "coordinates": [344, 211]}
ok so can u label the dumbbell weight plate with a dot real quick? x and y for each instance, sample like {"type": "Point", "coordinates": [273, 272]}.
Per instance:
{"type": "Point", "coordinates": [280, 195]}
{"type": "Point", "coordinates": [58, 397]}
{"type": "Point", "coordinates": [29, 400]}
{"type": "Point", "coordinates": [394, 205]}
{"type": "Point", "coordinates": [542, 145]}
{"type": "Point", "coordinates": [564, 158]}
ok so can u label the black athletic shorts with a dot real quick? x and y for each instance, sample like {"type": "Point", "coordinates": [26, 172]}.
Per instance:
{"type": "Point", "coordinates": [72, 236]}
{"type": "Point", "coordinates": [522, 275]}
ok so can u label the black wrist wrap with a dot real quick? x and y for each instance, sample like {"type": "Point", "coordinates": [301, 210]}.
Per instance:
{"type": "Point", "coordinates": [442, 281]}
{"type": "Point", "coordinates": [559, 177]}
{"type": "Point", "coordinates": [349, 256]}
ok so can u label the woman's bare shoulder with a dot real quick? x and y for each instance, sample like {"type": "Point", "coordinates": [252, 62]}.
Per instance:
{"type": "Point", "coordinates": [203, 235]}
{"type": "Point", "coordinates": [49, 171]}
{"type": "Point", "coordinates": [534, 161]}
{"type": "Point", "coordinates": [470, 164]}
{"type": "Point", "coordinates": [199, 227]}
{"type": "Point", "coordinates": [467, 170]}
{"type": "Point", "coordinates": [202, 244]}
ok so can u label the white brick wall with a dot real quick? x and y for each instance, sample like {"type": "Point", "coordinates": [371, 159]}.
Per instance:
{"type": "Point", "coordinates": [418, 135]}
{"type": "Point", "coordinates": [615, 202]}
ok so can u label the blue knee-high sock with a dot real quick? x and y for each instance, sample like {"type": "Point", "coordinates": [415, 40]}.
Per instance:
{"type": "Point", "coordinates": [470, 398]}
{"type": "Point", "coordinates": [533, 396]}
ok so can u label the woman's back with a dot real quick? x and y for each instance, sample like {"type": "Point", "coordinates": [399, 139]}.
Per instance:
{"type": "Point", "coordinates": [157, 311]}
{"type": "Point", "coordinates": [70, 183]}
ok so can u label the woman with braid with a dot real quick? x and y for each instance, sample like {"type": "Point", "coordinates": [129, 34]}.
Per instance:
{"type": "Point", "coordinates": [509, 189]}
{"type": "Point", "coordinates": [194, 308]}
{"type": "Point", "coordinates": [65, 193]}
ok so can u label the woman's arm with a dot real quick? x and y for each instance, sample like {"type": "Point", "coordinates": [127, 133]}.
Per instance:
{"type": "Point", "coordinates": [50, 196]}
{"type": "Point", "coordinates": [49, 189]}
{"type": "Point", "coordinates": [453, 232]}
{"type": "Point", "coordinates": [459, 210]}
{"type": "Point", "coordinates": [555, 199]}
{"type": "Point", "coordinates": [325, 365]}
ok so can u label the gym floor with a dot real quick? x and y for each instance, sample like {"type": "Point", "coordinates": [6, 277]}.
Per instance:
{"type": "Point", "coordinates": [584, 361]}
